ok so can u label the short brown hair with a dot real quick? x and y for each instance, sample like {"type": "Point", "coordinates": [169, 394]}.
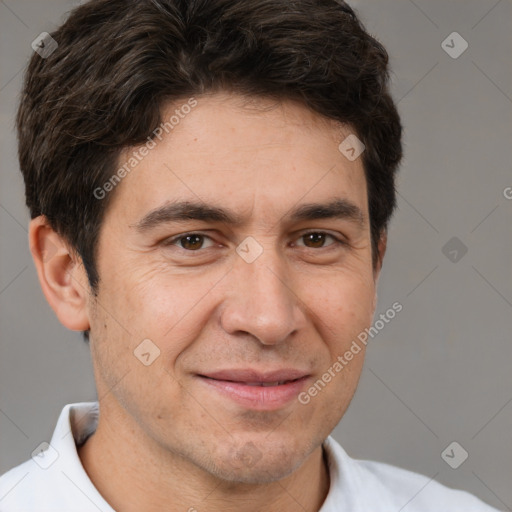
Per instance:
{"type": "Point", "coordinates": [118, 62]}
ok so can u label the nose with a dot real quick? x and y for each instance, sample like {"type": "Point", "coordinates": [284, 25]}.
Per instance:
{"type": "Point", "coordinates": [260, 300]}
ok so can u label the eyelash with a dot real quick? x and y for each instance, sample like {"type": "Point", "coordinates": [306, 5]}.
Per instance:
{"type": "Point", "coordinates": [177, 238]}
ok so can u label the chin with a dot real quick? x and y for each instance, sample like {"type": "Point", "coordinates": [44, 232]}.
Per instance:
{"type": "Point", "coordinates": [257, 462]}
{"type": "Point", "coordinates": [263, 473]}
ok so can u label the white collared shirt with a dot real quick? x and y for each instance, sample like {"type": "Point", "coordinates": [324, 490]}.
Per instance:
{"type": "Point", "coordinates": [55, 480]}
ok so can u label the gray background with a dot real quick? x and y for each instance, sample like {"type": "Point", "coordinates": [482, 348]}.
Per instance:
{"type": "Point", "coordinates": [440, 371]}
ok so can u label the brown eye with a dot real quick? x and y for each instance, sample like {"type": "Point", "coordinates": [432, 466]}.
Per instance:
{"type": "Point", "coordinates": [314, 239]}
{"type": "Point", "coordinates": [192, 242]}
{"type": "Point", "coordinates": [317, 239]}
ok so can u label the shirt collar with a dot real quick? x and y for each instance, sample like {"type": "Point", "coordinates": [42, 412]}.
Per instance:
{"type": "Point", "coordinates": [344, 480]}
{"type": "Point", "coordinates": [77, 422]}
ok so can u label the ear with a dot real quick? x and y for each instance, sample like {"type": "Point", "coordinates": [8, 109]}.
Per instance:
{"type": "Point", "coordinates": [61, 274]}
{"type": "Point", "coordinates": [381, 251]}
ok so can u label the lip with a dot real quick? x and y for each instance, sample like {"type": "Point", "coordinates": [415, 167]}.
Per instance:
{"type": "Point", "coordinates": [236, 385]}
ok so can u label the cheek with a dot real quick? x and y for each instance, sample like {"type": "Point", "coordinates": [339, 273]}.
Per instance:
{"type": "Point", "coordinates": [118, 353]}
{"type": "Point", "coordinates": [170, 309]}
{"type": "Point", "coordinates": [343, 305]}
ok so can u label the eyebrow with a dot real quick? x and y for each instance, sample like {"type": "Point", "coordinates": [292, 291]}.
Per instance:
{"type": "Point", "coordinates": [182, 211]}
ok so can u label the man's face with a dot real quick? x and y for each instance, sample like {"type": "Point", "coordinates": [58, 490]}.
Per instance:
{"type": "Point", "coordinates": [224, 322]}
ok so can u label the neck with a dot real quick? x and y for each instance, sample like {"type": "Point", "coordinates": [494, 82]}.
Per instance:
{"type": "Point", "coordinates": [158, 479]}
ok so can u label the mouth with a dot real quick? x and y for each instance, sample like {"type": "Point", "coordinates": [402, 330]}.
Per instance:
{"type": "Point", "coordinates": [266, 384]}
{"type": "Point", "coordinates": [257, 390]}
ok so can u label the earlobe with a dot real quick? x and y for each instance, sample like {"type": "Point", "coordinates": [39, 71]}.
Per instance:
{"type": "Point", "coordinates": [61, 274]}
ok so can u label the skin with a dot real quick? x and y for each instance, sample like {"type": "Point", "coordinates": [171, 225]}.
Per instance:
{"type": "Point", "coordinates": [181, 444]}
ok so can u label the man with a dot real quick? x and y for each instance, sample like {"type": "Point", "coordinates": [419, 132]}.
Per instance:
{"type": "Point", "coordinates": [210, 185]}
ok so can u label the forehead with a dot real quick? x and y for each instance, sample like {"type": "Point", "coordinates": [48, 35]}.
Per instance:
{"type": "Point", "coordinates": [248, 152]}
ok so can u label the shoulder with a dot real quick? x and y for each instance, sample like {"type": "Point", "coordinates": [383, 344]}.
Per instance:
{"type": "Point", "coordinates": [382, 487]}
{"type": "Point", "coordinates": [419, 493]}
{"type": "Point", "coordinates": [20, 486]}
{"type": "Point", "coordinates": [53, 479]}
